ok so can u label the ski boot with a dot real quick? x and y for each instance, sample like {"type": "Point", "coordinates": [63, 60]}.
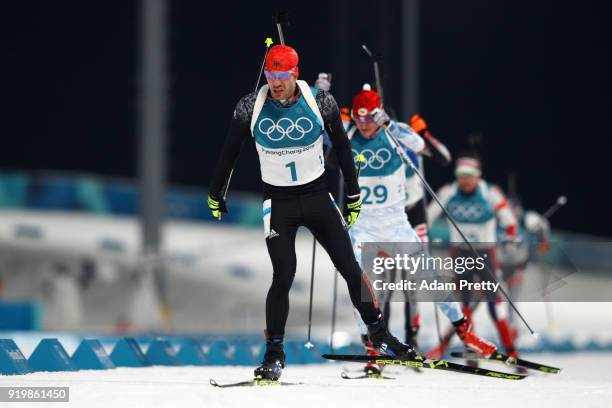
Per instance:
{"type": "Point", "coordinates": [273, 363]}
{"type": "Point", "coordinates": [472, 341]}
{"type": "Point", "coordinates": [513, 356]}
{"type": "Point", "coordinates": [371, 369]}
{"type": "Point", "coordinates": [386, 344]}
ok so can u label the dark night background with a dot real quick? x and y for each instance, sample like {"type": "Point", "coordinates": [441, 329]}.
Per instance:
{"type": "Point", "coordinates": [530, 76]}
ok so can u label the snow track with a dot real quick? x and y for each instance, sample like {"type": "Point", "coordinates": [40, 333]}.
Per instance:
{"type": "Point", "coordinates": [586, 380]}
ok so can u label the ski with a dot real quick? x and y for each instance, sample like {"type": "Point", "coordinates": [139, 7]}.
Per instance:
{"type": "Point", "coordinates": [417, 370]}
{"type": "Point", "coordinates": [387, 370]}
{"type": "Point", "coordinates": [252, 383]}
{"type": "Point", "coordinates": [347, 376]}
{"type": "Point", "coordinates": [512, 361]}
{"type": "Point", "coordinates": [433, 364]}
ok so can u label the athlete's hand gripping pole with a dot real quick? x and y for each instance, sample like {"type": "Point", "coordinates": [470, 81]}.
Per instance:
{"type": "Point", "coordinates": [217, 206]}
{"type": "Point", "coordinates": [352, 208]}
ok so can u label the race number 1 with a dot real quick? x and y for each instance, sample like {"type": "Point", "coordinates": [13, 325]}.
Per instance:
{"type": "Point", "coordinates": [291, 166]}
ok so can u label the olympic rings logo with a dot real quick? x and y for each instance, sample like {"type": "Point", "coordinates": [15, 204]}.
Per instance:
{"type": "Point", "coordinates": [276, 131]}
{"type": "Point", "coordinates": [468, 212]}
{"type": "Point", "coordinates": [374, 160]}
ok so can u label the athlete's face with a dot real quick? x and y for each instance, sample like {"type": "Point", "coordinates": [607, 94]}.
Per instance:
{"type": "Point", "coordinates": [281, 89]}
{"type": "Point", "coordinates": [367, 129]}
{"type": "Point", "coordinates": [467, 184]}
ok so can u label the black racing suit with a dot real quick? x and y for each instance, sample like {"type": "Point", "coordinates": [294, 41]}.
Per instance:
{"type": "Point", "coordinates": [308, 205]}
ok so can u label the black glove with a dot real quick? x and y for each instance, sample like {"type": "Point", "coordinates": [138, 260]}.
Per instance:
{"type": "Point", "coordinates": [217, 206]}
{"type": "Point", "coordinates": [352, 208]}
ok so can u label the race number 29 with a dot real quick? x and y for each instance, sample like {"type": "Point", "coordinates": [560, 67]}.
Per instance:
{"type": "Point", "coordinates": [379, 194]}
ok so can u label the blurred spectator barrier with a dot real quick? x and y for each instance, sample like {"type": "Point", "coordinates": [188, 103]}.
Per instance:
{"type": "Point", "coordinates": [53, 191]}
{"type": "Point", "coordinates": [15, 315]}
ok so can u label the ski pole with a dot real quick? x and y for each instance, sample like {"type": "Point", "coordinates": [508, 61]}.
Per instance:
{"type": "Point", "coordinates": [428, 249]}
{"type": "Point", "coordinates": [375, 60]}
{"type": "Point", "coordinates": [333, 318]}
{"type": "Point", "coordinates": [454, 223]}
{"type": "Point", "coordinates": [547, 306]}
{"type": "Point", "coordinates": [309, 344]}
{"type": "Point", "coordinates": [561, 201]}
{"type": "Point", "coordinates": [437, 316]}
{"type": "Point", "coordinates": [280, 18]}
{"type": "Point", "coordinates": [268, 43]}
{"type": "Point", "coordinates": [335, 293]}
{"type": "Point", "coordinates": [360, 159]}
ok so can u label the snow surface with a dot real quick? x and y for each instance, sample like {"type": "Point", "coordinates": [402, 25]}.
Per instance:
{"type": "Point", "coordinates": [586, 381]}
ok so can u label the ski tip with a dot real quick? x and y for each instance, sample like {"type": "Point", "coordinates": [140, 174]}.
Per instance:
{"type": "Point", "coordinates": [344, 375]}
{"type": "Point", "coordinates": [505, 376]}
{"type": "Point", "coordinates": [516, 376]}
{"type": "Point", "coordinates": [213, 383]}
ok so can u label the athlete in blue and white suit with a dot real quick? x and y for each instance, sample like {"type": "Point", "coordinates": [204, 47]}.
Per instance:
{"type": "Point", "coordinates": [382, 180]}
{"type": "Point", "coordinates": [382, 186]}
{"type": "Point", "coordinates": [477, 207]}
